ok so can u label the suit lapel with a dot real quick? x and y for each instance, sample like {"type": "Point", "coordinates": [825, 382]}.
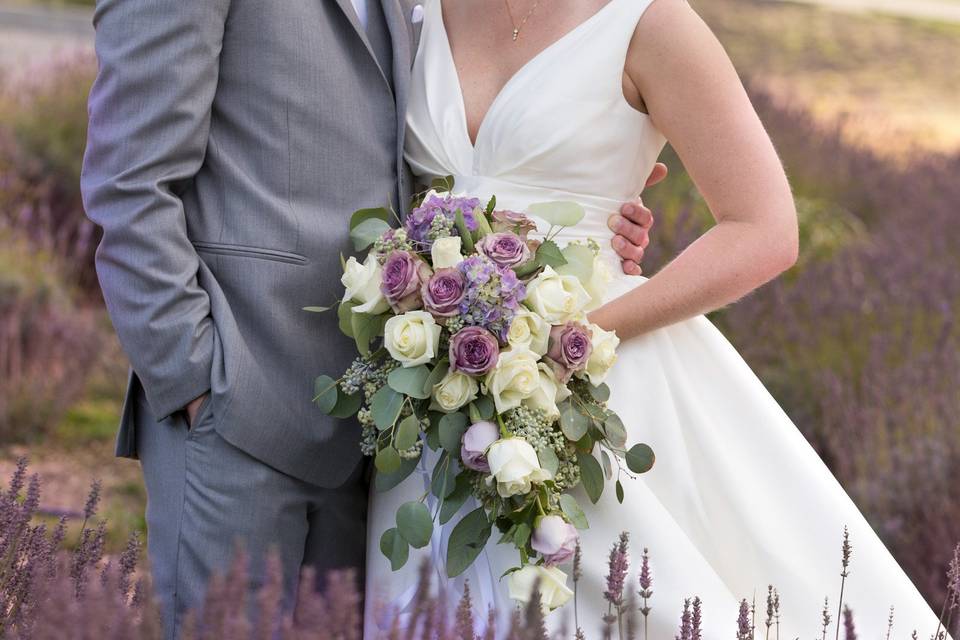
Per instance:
{"type": "Point", "coordinates": [351, 14]}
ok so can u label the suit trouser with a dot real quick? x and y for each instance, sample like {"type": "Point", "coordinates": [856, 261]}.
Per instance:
{"type": "Point", "coordinates": [204, 496]}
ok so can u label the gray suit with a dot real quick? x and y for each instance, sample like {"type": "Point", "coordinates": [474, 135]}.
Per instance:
{"type": "Point", "coordinates": [229, 141]}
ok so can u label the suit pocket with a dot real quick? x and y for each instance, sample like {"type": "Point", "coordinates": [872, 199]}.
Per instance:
{"type": "Point", "coordinates": [244, 251]}
{"type": "Point", "coordinates": [202, 418]}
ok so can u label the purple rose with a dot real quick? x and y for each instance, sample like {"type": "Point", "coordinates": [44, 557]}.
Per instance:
{"type": "Point", "coordinates": [476, 441]}
{"type": "Point", "coordinates": [555, 539]}
{"type": "Point", "coordinates": [505, 248]}
{"type": "Point", "coordinates": [403, 275]}
{"type": "Point", "coordinates": [443, 292]}
{"type": "Point", "coordinates": [569, 350]}
{"type": "Point", "coordinates": [514, 222]}
{"type": "Point", "coordinates": [474, 351]}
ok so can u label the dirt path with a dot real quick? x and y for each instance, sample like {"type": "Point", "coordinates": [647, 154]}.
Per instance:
{"type": "Point", "coordinates": [941, 10]}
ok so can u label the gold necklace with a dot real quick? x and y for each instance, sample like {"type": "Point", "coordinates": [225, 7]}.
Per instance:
{"type": "Point", "coordinates": [518, 27]}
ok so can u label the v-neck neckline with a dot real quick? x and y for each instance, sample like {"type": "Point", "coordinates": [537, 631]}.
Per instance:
{"type": "Point", "coordinates": [513, 79]}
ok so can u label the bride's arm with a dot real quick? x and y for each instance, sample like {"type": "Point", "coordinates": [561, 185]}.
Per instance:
{"type": "Point", "coordinates": [694, 96]}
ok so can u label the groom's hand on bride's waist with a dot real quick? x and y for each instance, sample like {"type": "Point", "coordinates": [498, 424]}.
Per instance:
{"type": "Point", "coordinates": [631, 227]}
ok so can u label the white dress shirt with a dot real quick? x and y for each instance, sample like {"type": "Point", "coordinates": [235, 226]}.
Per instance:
{"type": "Point", "coordinates": [361, 8]}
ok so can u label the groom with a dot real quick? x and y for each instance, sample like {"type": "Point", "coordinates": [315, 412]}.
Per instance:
{"type": "Point", "coordinates": [229, 141]}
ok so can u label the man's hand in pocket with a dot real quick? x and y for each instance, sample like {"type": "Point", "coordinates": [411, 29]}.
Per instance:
{"type": "Point", "coordinates": [193, 408]}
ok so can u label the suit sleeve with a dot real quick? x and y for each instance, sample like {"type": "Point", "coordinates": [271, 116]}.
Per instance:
{"type": "Point", "coordinates": [149, 125]}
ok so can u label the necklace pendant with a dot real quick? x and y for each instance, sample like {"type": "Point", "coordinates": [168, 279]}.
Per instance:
{"type": "Point", "coordinates": [516, 34]}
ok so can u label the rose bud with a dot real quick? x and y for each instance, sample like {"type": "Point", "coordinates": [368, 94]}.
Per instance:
{"type": "Point", "coordinates": [474, 351]}
{"type": "Point", "coordinates": [403, 275]}
{"type": "Point", "coordinates": [570, 349]}
{"type": "Point", "coordinates": [443, 292]}
{"type": "Point", "coordinates": [514, 222]}
{"type": "Point", "coordinates": [476, 441]}
{"type": "Point", "coordinates": [505, 248]}
{"type": "Point", "coordinates": [555, 539]}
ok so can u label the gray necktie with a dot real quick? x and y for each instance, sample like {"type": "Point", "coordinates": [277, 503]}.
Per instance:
{"type": "Point", "coordinates": [379, 36]}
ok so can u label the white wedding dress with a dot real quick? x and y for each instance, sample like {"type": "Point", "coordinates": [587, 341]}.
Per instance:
{"type": "Point", "coordinates": [738, 499]}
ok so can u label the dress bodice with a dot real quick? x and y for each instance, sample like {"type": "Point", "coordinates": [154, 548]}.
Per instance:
{"type": "Point", "coordinates": [560, 129]}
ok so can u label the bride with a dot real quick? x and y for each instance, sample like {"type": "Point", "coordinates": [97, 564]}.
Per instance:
{"type": "Point", "coordinates": [574, 100]}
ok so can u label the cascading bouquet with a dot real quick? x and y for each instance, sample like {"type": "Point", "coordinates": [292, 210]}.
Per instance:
{"type": "Point", "coordinates": [473, 341]}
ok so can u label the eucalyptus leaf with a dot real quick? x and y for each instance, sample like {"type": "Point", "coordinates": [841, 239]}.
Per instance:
{"type": "Point", "coordinates": [485, 407]}
{"type": "Point", "coordinates": [442, 185]}
{"type": "Point", "coordinates": [410, 381]}
{"type": "Point", "coordinates": [317, 309]}
{"type": "Point", "coordinates": [614, 430]}
{"type": "Point", "coordinates": [436, 375]}
{"type": "Point", "coordinates": [387, 460]}
{"type": "Point", "coordinates": [408, 432]}
{"type": "Point", "coordinates": [619, 492]}
{"type": "Point", "coordinates": [380, 213]}
{"type": "Point", "coordinates": [433, 431]}
{"type": "Point", "coordinates": [347, 404]}
{"type": "Point", "coordinates": [549, 254]}
{"type": "Point", "coordinates": [579, 262]}
{"type": "Point", "coordinates": [345, 316]}
{"type": "Point", "coordinates": [444, 479]}
{"type": "Point", "coordinates": [521, 535]}
{"type": "Point", "coordinates": [600, 393]}
{"type": "Point", "coordinates": [453, 502]}
{"type": "Point", "coordinates": [415, 524]}
{"type": "Point", "coordinates": [607, 465]}
{"type": "Point", "coordinates": [325, 390]}
{"type": "Point", "coordinates": [549, 460]}
{"type": "Point", "coordinates": [571, 508]}
{"type": "Point", "coordinates": [591, 475]}
{"type": "Point", "coordinates": [467, 540]}
{"type": "Point", "coordinates": [365, 328]}
{"type": "Point", "coordinates": [573, 423]}
{"type": "Point", "coordinates": [452, 428]}
{"type": "Point", "coordinates": [640, 458]}
{"type": "Point", "coordinates": [383, 482]}
{"type": "Point", "coordinates": [395, 548]}
{"type": "Point", "coordinates": [560, 213]}
{"type": "Point", "coordinates": [367, 232]}
{"type": "Point", "coordinates": [385, 406]}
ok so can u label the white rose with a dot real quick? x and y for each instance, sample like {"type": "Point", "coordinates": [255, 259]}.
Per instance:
{"type": "Point", "coordinates": [599, 282]}
{"type": "Point", "coordinates": [412, 338]}
{"type": "Point", "coordinates": [551, 582]}
{"type": "Point", "coordinates": [454, 391]}
{"type": "Point", "coordinates": [515, 378]}
{"type": "Point", "coordinates": [555, 297]}
{"type": "Point", "coordinates": [446, 252]}
{"type": "Point", "coordinates": [530, 330]}
{"type": "Point", "coordinates": [514, 466]}
{"type": "Point", "coordinates": [362, 284]}
{"type": "Point", "coordinates": [549, 392]}
{"type": "Point", "coordinates": [604, 354]}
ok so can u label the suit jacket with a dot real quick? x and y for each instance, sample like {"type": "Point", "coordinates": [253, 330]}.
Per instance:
{"type": "Point", "coordinates": [229, 141]}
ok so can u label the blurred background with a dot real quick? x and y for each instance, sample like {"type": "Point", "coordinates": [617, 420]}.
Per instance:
{"type": "Point", "coordinates": [859, 342]}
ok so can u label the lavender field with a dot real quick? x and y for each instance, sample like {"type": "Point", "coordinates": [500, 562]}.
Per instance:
{"type": "Point", "coordinates": [860, 342]}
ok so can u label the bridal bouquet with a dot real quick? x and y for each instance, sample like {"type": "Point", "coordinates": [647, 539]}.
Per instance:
{"type": "Point", "coordinates": [473, 342]}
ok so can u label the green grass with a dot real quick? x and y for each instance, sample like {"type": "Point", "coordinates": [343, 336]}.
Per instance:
{"type": "Point", "coordinates": [897, 76]}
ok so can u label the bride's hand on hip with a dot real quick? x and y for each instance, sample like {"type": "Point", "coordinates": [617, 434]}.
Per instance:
{"type": "Point", "coordinates": [631, 227]}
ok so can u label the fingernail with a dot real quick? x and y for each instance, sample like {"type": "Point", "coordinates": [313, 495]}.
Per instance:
{"type": "Point", "coordinates": [617, 223]}
{"type": "Point", "coordinates": [618, 242]}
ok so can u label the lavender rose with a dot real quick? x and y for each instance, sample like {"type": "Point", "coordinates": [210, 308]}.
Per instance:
{"type": "Point", "coordinates": [514, 222]}
{"type": "Point", "coordinates": [474, 351]}
{"type": "Point", "coordinates": [555, 539]}
{"type": "Point", "coordinates": [476, 441]}
{"type": "Point", "coordinates": [569, 350]}
{"type": "Point", "coordinates": [403, 275]}
{"type": "Point", "coordinates": [505, 248]}
{"type": "Point", "coordinates": [443, 292]}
